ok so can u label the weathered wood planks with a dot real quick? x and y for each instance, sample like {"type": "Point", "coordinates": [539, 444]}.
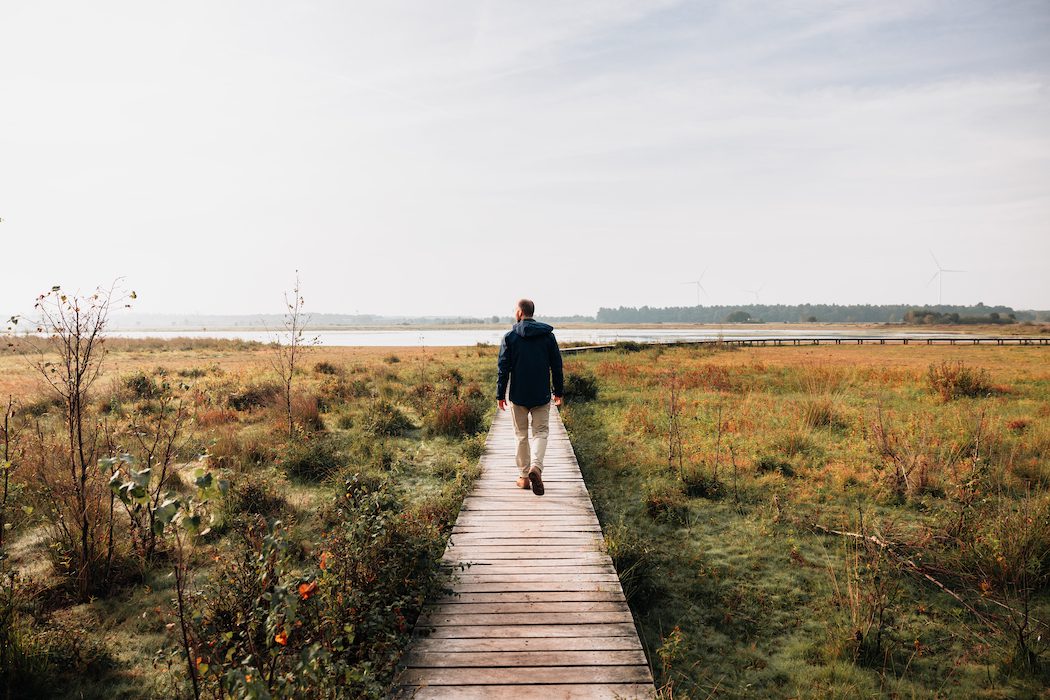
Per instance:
{"type": "Point", "coordinates": [538, 611]}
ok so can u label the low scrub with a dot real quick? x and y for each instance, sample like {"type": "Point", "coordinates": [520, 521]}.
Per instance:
{"type": "Point", "coordinates": [665, 501]}
{"type": "Point", "coordinates": [256, 495]}
{"type": "Point", "coordinates": [456, 417]}
{"type": "Point", "coordinates": [581, 386]}
{"type": "Point", "coordinates": [766, 464]}
{"type": "Point", "coordinates": [699, 484]}
{"type": "Point", "coordinates": [312, 458]}
{"type": "Point", "coordinates": [252, 396]}
{"type": "Point", "coordinates": [335, 627]}
{"type": "Point", "coordinates": [632, 556]}
{"type": "Point", "coordinates": [954, 380]}
{"type": "Point", "coordinates": [385, 418]}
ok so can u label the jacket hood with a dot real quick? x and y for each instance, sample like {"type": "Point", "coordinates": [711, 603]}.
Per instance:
{"type": "Point", "coordinates": [530, 328]}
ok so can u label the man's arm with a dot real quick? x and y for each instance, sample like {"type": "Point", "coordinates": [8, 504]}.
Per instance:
{"type": "Point", "coordinates": [554, 358]}
{"type": "Point", "coordinates": [502, 370]}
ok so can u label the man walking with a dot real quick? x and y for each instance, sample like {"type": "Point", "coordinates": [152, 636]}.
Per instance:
{"type": "Point", "coordinates": [530, 359]}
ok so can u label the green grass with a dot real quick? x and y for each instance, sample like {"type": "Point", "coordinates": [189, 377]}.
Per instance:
{"type": "Point", "coordinates": [128, 637]}
{"type": "Point", "coordinates": [737, 595]}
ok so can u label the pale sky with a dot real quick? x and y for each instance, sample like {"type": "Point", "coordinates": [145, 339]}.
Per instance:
{"type": "Point", "coordinates": [445, 157]}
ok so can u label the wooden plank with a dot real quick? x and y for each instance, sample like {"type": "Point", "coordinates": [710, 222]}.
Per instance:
{"type": "Point", "coordinates": [538, 586]}
{"type": "Point", "coordinates": [445, 619]}
{"type": "Point", "coordinates": [530, 596]}
{"type": "Point", "coordinates": [512, 676]}
{"type": "Point", "coordinates": [540, 567]}
{"type": "Point", "coordinates": [590, 691]}
{"type": "Point", "coordinates": [532, 591]}
{"type": "Point", "coordinates": [441, 659]}
{"type": "Point", "coordinates": [518, 577]}
{"type": "Point", "coordinates": [584, 540]}
{"type": "Point", "coordinates": [423, 644]}
{"type": "Point", "coordinates": [515, 607]}
{"type": "Point", "coordinates": [584, 559]}
{"type": "Point", "coordinates": [624, 629]}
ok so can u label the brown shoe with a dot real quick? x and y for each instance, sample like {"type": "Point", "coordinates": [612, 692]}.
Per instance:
{"type": "Point", "coordinates": [524, 483]}
{"type": "Point", "coordinates": [537, 481]}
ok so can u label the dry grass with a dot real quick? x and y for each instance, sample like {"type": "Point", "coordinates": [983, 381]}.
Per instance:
{"type": "Point", "coordinates": [739, 575]}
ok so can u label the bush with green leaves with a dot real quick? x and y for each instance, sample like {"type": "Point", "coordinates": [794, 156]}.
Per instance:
{"type": "Point", "coordinates": [256, 395]}
{"type": "Point", "coordinates": [334, 626]}
{"type": "Point", "coordinates": [665, 500]}
{"type": "Point", "coordinates": [384, 418]}
{"type": "Point", "coordinates": [580, 386]}
{"type": "Point", "coordinates": [255, 494]}
{"type": "Point", "coordinates": [313, 457]}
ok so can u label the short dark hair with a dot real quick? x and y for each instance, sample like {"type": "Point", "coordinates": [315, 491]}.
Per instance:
{"type": "Point", "coordinates": [527, 307]}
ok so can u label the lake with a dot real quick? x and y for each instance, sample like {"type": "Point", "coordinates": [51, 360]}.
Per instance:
{"type": "Point", "coordinates": [466, 337]}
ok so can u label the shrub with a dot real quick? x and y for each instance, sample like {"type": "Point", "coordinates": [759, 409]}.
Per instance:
{"type": "Point", "coordinates": [701, 485]}
{"type": "Point", "coordinates": [770, 463]}
{"type": "Point", "coordinates": [337, 628]}
{"type": "Point", "coordinates": [665, 500]}
{"type": "Point", "coordinates": [581, 386]}
{"type": "Point", "coordinates": [336, 389]}
{"type": "Point", "coordinates": [69, 657]}
{"type": "Point", "coordinates": [474, 447]}
{"type": "Point", "coordinates": [456, 417]}
{"type": "Point", "coordinates": [953, 380]}
{"type": "Point", "coordinates": [453, 376]}
{"type": "Point", "coordinates": [252, 396]}
{"type": "Point", "coordinates": [630, 345]}
{"type": "Point", "coordinates": [255, 495]}
{"type": "Point", "coordinates": [384, 418]}
{"type": "Point", "coordinates": [233, 450]}
{"type": "Point", "coordinates": [306, 412]}
{"type": "Point", "coordinates": [632, 557]}
{"type": "Point", "coordinates": [325, 367]}
{"type": "Point", "coordinates": [312, 458]}
{"type": "Point", "coordinates": [215, 416]}
{"type": "Point", "coordinates": [391, 359]}
{"type": "Point", "coordinates": [141, 386]}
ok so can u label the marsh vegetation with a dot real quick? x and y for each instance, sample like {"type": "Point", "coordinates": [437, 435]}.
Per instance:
{"type": "Point", "coordinates": [827, 522]}
{"type": "Point", "coordinates": [203, 521]}
{"type": "Point", "coordinates": [785, 521]}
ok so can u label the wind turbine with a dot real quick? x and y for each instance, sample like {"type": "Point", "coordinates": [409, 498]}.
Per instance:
{"type": "Point", "coordinates": [699, 286]}
{"type": "Point", "coordinates": [939, 276]}
{"type": "Point", "coordinates": [756, 292]}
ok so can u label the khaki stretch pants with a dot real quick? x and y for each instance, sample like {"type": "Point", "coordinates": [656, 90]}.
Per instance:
{"type": "Point", "coordinates": [540, 429]}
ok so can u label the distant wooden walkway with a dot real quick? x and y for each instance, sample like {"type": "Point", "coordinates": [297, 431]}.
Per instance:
{"type": "Point", "coordinates": [833, 340]}
{"type": "Point", "coordinates": [540, 612]}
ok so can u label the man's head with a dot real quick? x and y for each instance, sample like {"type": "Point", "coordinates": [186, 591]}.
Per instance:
{"type": "Point", "coordinates": [525, 309]}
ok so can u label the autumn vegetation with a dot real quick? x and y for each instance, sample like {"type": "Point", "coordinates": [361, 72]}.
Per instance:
{"type": "Point", "coordinates": [218, 519]}
{"type": "Point", "coordinates": [192, 518]}
{"type": "Point", "coordinates": [826, 522]}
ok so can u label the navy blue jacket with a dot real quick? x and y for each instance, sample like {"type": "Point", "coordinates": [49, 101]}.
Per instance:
{"type": "Point", "coordinates": [529, 357]}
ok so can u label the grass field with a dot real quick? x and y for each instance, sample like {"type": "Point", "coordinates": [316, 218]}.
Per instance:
{"type": "Point", "coordinates": [386, 446]}
{"type": "Point", "coordinates": [713, 473]}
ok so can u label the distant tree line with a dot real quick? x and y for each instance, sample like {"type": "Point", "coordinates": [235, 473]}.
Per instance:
{"type": "Point", "coordinates": [818, 313]}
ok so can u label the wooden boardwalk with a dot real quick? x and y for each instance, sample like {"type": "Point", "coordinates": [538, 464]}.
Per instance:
{"type": "Point", "coordinates": [795, 341]}
{"type": "Point", "coordinates": [540, 612]}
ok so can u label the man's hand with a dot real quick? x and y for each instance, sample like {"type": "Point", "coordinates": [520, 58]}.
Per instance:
{"type": "Point", "coordinates": [557, 401]}
{"type": "Point", "coordinates": [502, 404]}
